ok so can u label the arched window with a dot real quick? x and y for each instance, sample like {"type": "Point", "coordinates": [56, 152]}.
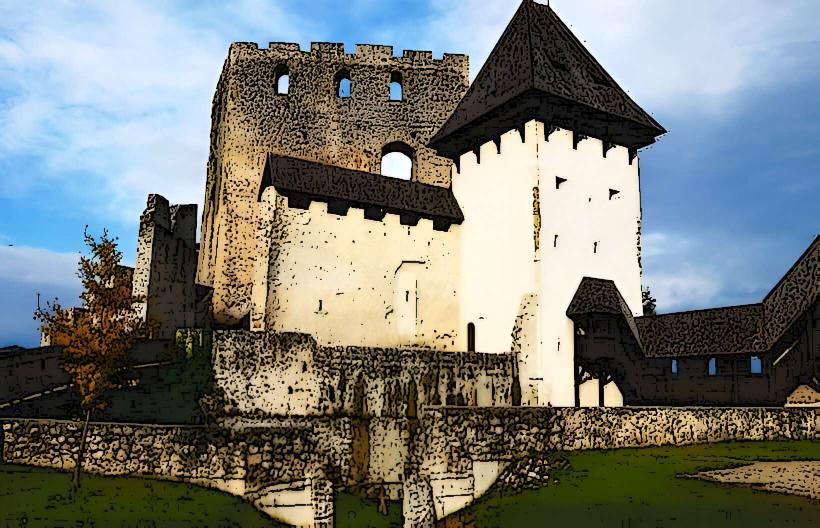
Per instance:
{"type": "Point", "coordinates": [397, 161]}
{"type": "Point", "coordinates": [396, 87]}
{"type": "Point", "coordinates": [470, 337]}
{"type": "Point", "coordinates": [343, 85]}
{"type": "Point", "coordinates": [282, 80]}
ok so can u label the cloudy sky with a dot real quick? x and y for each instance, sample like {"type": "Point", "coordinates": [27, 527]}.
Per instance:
{"type": "Point", "coordinates": [103, 102]}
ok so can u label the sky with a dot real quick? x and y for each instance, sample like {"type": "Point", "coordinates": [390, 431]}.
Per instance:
{"type": "Point", "coordinates": [102, 103]}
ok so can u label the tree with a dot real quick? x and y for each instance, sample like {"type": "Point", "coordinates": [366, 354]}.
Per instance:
{"type": "Point", "coordinates": [649, 302]}
{"type": "Point", "coordinates": [95, 338]}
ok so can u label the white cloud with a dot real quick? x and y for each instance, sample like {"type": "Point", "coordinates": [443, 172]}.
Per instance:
{"type": "Point", "coordinates": [684, 288]}
{"type": "Point", "coordinates": [686, 271]}
{"type": "Point", "coordinates": [114, 98]}
{"type": "Point", "coordinates": [24, 272]}
{"type": "Point", "coordinates": [34, 265]}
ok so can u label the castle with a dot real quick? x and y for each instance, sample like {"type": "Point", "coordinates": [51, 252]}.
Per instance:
{"type": "Point", "coordinates": [419, 332]}
{"type": "Point", "coordinates": [516, 231]}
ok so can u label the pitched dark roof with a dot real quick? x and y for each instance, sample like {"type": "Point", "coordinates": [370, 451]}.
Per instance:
{"type": "Point", "coordinates": [717, 331]}
{"type": "Point", "coordinates": [303, 181]}
{"type": "Point", "coordinates": [792, 296]}
{"type": "Point", "coordinates": [540, 70]}
{"type": "Point", "coordinates": [746, 329]}
{"type": "Point", "coordinates": [601, 296]}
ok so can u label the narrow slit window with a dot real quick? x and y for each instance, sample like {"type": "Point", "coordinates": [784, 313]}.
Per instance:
{"type": "Point", "coordinates": [712, 369]}
{"type": "Point", "coordinates": [674, 367]}
{"type": "Point", "coordinates": [470, 337]}
{"type": "Point", "coordinates": [558, 181]}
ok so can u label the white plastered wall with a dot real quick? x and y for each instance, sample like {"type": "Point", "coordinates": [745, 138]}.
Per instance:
{"type": "Point", "coordinates": [351, 281]}
{"type": "Point", "coordinates": [597, 237]}
{"type": "Point", "coordinates": [502, 273]}
{"type": "Point", "coordinates": [384, 284]}
{"type": "Point", "coordinates": [497, 244]}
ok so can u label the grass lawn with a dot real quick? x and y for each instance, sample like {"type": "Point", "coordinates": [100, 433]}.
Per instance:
{"type": "Point", "coordinates": [42, 497]}
{"type": "Point", "coordinates": [625, 488]}
{"type": "Point", "coordinates": [638, 488]}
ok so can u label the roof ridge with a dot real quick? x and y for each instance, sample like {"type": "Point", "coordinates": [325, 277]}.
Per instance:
{"type": "Point", "coordinates": [800, 259]}
{"type": "Point", "coordinates": [700, 310]}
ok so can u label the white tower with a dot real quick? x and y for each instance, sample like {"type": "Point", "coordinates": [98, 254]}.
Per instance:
{"type": "Point", "coordinates": [546, 173]}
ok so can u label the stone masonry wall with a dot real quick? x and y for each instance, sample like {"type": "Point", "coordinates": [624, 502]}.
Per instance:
{"type": "Point", "coordinates": [270, 373]}
{"type": "Point", "coordinates": [455, 438]}
{"type": "Point", "coordinates": [250, 120]}
{"type": "Point", "coordinates": [165, 270]}
{"type": "Point", "coordinates": [240, 459]}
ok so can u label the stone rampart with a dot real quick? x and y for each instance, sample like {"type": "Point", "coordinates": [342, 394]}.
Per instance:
{"type": "Point", "coordinates": [278, 466]}
{"type": "Point", "coordinates": [290, 374]}
{"type": "Point", "coordinates": [459, 452]}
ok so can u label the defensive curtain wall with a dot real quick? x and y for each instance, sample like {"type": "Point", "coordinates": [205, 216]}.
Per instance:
{"type": "Point", "coordinates": [291, 467]}
{"type": "Point", "coordinates": [268, 373]}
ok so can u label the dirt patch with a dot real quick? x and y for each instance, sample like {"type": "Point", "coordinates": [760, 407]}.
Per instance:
{"type": "Point", "coordinates": [795, 478]}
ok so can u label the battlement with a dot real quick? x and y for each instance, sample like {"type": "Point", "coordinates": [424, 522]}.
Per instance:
{"type": "Point", "coordinates": [363, 54]}
{"type": "Point", "coordinates": [288, 101]}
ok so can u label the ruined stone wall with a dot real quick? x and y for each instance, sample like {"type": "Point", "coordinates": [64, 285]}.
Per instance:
{"type": "Point", "coordinates": [241, 459]}
{"type": "Point", "coordinates": [269, 373]}
{"type": "Point", "coordinates": [286, 468]}
{"type": "Point", "coordinates": [459, 453]}
{"type": "Point", "coordinates": [457, 437]}
{"type": "Point", "coordinates": [250, 120]}
{"type": "Point", "coordinates": [165, 270]}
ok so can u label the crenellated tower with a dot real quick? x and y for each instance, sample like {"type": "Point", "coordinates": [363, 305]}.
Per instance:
{"type": "Point", "coordinates": [284, 101]}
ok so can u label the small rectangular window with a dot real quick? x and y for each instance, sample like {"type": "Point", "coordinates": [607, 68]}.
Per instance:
{"type": "Point", "coordinates": [712, 366]}
{"type": "Point", "coordinates": [756, 365]}
{"type": "Point", "coordinates": [674, 367]}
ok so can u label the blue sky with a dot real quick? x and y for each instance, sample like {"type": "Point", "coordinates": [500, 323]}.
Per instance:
{"type": "Point", "coordinates": [103, 102]}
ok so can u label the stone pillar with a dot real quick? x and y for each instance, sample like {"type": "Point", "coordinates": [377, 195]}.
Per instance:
{"type": "Point", "coordinates": [418, 508]}
{"type": "Point", "coordinates": [321, 496]}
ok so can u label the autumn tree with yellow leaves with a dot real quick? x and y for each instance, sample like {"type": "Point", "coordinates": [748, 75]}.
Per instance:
{"type": "Point", "coordinates": [95, 338]}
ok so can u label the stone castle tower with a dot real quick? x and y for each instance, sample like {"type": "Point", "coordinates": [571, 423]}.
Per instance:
{"type": "Point", "coordinates": [253, 117]}
{"type": "Point", "coordinates": [521, 186]}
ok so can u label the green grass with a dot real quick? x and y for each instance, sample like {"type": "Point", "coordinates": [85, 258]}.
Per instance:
{"type": "Point", "coordinates": [638, 488]}
{"type": "Point", "coordinates": [42, 497]}
{"type": "Point", "coordinates": [627, 488]}
{"type": "Point", "coordinates": [356, 512]}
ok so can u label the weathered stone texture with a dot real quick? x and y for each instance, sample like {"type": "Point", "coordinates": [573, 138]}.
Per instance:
{"type": "Point", "coordinates": [165, 270]}
{"type": "Point", "coordinates": [510, 433]}
{"type": "Point", "coordinates": [251, 120]}
{"type": "Point", "coordinates": [268, 373]}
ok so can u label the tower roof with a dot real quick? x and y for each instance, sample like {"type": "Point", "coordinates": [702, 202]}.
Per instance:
{"type": "Point", "coordinates": [539, 70]}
